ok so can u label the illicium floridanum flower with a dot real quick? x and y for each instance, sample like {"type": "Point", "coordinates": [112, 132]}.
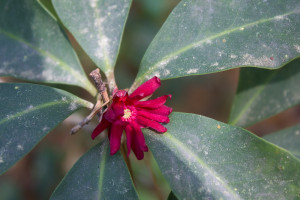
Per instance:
{"type": "Point", "coordinates": [130, 113]}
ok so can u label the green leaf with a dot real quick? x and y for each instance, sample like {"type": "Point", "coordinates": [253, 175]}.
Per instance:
{"type": "Point", "coordinates": [201, 37]}
{"type": "Point", "coordinates": [263, 93]}
{"type": "Point", "coordinates": [48, 7]}
{"type": "Point", "coordinates": [33, 47]}
{"type": "Point", "coordinates": [202, 158]}
{"type": "Point", "coordinates": [28, 112]}
{"type": "Point", "coordinates": [288, 138]}
{"type": "Point", "coordinates": [97, 25]}
{"type": "Point", "coordinates": [97, 175]}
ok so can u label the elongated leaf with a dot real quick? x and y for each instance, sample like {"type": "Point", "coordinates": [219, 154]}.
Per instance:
{"type": "Point", "coordinates": [263, 93]}
{"type": "Point", "coordinates": [97, 175]}
{"type": "Point", "coordinates": [98, 27]}
{"type": "Point", "coordinates": [33, 47]}
{"type": "Point", "coordinates": [201, 37]}
{"type": "Point", "coordinates": [205, 159]}
{"type": "Point", "coordinates": [288, 138]}
{"type": "Point", "coordinates": [27, 113]}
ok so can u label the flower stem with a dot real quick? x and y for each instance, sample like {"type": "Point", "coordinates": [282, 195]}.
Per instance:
{"type": "Point", "coordinates": [127, 161]}
{"type": "Point", "coordinates": [157, 189]}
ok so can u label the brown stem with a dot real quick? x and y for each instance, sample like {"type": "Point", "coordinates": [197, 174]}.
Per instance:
{"type": "Point", "coordinates": [86, 120]}
{"type": "Point", "coordinates": [100, 85]}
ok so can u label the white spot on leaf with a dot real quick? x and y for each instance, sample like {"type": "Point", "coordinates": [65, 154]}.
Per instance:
{"type": "Point", "coordinates": [84, 31]}
{"type": "Point", "coordinates": [233, 56]}
{"type": "Point", "coordinates": [192, 71]}
{"type": "Point", "coordinates": [73, 106]}
{"type": "Point", "coordinates": [215, 64]}
{"type": "Point", "coordinates": [164, 62]}
{"type": "Point", "coordinates": [20, 147]}
{"type": "Point", "coordinates": [297, 47]}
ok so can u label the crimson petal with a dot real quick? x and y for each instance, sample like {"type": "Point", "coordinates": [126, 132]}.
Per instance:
{"type": "Point", "coordinates": [118, 108]}
{"type": "Point", "coordinates": [162, 110]}
{"type": "Point", "coordinates": [146, 89]}
{"type": "Point", "coordinates": [115, 138]}
{"type": "Point", "coordinates": [154, 103]}
{"type": "Point", "coordinates": [129, 133]}
{"type": "Point", "coordinates": [151, 124]}
{"type": "Point", "coordinates": [136, 149]}
{"type": "Point", "coordinates": [110, 115]}
{"type": "Point", "coordinates": [155, 117]}
{"type": "Point", "coordinates": [139, 136]}
{"type": "Point", "coordinates": [101, 126]}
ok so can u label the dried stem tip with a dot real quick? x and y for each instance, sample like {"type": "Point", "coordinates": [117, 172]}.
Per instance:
{"type": "Point", "coordinates": [100, 85]}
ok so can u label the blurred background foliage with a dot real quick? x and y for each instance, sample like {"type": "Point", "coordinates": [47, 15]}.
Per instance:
{"type": "Point", "coordinates": [37, 174]}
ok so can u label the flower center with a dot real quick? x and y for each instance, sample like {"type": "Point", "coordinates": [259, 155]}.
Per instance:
{"type": "Point", "coordinates": [129, 114]}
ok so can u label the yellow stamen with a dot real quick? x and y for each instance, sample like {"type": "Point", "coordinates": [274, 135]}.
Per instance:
{"type": "Point", "coordinates": [127, 113]}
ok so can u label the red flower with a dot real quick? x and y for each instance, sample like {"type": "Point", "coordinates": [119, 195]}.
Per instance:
{"type": "Point", "coordinates": [129, 113]}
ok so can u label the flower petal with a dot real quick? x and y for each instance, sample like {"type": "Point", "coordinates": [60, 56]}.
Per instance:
{"type": "Point", "coordinates": [151, 124]}
{"type": "Point", "coordinates": [118, 108]}
{"type": "Point", "coordinates": [139, 136]}
{"type": "Point", "coordinates": [162, 110]}
{"type": "Point", "coordinates": [120, 96]}
{"type": "Point", "coordinates": [110, 115]}
{"type": "Point", "coordinates": [146, 89]}
{"type": "Point", "coordinates": [100, 127]}
{"type": "Point", "coordinates": [115, 138]}
{"type": "Point", "coordinates": [129, 134]}
{"type": "Point", "coordinates": [115, 111]}
{"type": "Point", "coordinates": [136, 149]}
{"type": "Point", "coordinates": [152, 116]}
{"type": "Point", "coordinates": [154, 103]}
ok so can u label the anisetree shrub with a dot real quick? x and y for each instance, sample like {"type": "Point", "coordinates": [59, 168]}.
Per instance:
{"type": "Point", "coordinates": [200, 157]}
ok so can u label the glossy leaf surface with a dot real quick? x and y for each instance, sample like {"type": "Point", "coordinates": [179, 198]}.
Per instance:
{"type": "Point", "coordinates": [33, 47]}
{"type": "Point", "coordinates": [263, 93]}
{"type": "Point", "coordinates": [202, 158]}
{"type": "Point", "coordinates": [48, 7]}
{"type": "Point", "coordinates": [201, 37]}
{"type": "Point", "coordinates": [97, 175]}
{"type": "Point", "coordinates": [288, 138]}
{"type": "Point", "coordinates": [97, 25]}
{"type": "Point", "coordinates": [28, 112]}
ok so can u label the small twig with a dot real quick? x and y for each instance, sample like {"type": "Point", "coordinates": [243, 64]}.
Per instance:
{"type": "Point", "coordinates": [100, 85]}
{"type": "Point", "coordinates": [155, 181]}
{"type": "Point", "coordinates": [86, 120]}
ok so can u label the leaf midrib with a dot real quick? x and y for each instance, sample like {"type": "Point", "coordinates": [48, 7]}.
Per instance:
{"type": "Point", "coordinates": [102, 168]}
{"type": "Point", "coordinates": [45, 54]}
{"type": "Point", "coordinates": [192, 45]}
{"type": "Point", "coordinates": [35, 108]}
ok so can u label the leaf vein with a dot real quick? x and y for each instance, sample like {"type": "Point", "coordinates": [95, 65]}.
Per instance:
{"type": "Point", "coordinates": [193, 45]}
